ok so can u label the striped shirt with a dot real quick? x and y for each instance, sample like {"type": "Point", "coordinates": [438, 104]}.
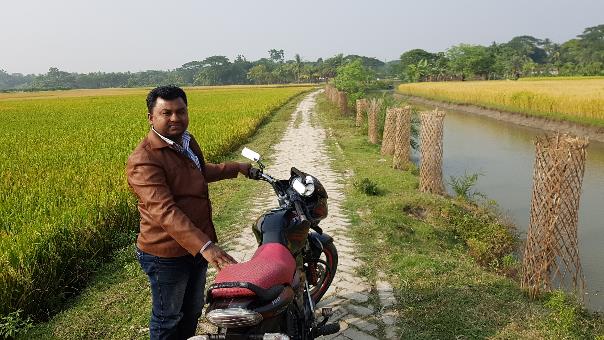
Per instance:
{"type": "Point", "coordinates": [184, 148]}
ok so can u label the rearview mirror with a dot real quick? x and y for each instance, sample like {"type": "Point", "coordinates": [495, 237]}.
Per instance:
{"type": "Point", "coordinates": [250, 154]}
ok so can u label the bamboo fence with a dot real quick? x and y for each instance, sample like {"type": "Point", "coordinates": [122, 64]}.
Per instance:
{"type": "Point", "coordinates": [361, 106]}
{"type": "Point", "coordinates": [372, 119]}
{"type": "Point", "coordinates": [551, 254]}
{"type": "Point", "coordinates": [431, 150]}
{"type": "Point", "coordinates": [402, 146]}
{"type": "Point", "coordinates": [390, 127]}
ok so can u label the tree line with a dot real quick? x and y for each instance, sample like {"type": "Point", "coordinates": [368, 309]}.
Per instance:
{"type": "Point", "coordinates": [214, 70]}
{"type": "Point", "coordinates": [522, 56]}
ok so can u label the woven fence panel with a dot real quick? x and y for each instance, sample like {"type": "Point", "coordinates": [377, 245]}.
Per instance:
{"type": "Point", "coordinates": [328, 92]}
{"type": "Point", "coordinates": [551, 254]}
{"type": "Point", "coordinates": [389, 136]}
{"type": "Point", "coordinates": [361, 106]}
{"type": "Point", "coordinates": [331, 93]}
{"type": "Point", "coordinates": [431, 150]}
{"type": "Point", "coordinates": [402, 145]}
{"type": "Point", "coordinates": [334, 96]}
{"type": "Point", "coordinates": [343, 102]}
{"type": "Point", "coordinates": [372, 119]}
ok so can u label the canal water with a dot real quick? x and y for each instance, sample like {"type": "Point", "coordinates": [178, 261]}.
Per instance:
{"type": "Point", "coordinates": [503, 153]}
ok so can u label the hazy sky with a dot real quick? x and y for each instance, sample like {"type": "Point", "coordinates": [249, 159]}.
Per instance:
{"type": "Point", "coordinates": [134, 35]}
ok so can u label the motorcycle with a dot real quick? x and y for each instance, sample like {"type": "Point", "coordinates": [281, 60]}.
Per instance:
{"type": "Point", "coordinates": [274, 294]}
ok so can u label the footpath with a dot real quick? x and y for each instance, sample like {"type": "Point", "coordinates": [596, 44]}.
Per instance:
{"type": "Point", "coordinates": [362, 308]}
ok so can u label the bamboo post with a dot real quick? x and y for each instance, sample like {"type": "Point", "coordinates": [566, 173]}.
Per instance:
{"type": "Point", "coordinates": [431, 150]}
{"type": "Point", "coordinates": [343, 102]}
{"type": "Point", "coordinates": [390, 126]}
{"type": "Point", "coordinates": [331, 93]}
{"type": "Point", "coordinates": [551, 252]}
{"type": "Point", "coordinates": [361, 105]}
{"type": "Point", "coordinates": [328, 92]}
{"type": "Point", "coordinates": [372, 116]}
{"type": "Point", "coordinates": [402, 144]}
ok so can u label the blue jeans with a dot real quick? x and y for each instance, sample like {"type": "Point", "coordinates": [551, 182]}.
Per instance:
{"type": "Point", "coordinates": [177, 289]}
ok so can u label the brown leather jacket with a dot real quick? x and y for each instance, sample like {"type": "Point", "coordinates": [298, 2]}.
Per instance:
{"type": "Point", "coordinates": [176, 213]}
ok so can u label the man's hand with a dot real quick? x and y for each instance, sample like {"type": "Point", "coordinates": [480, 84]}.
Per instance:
{"type": "Point", "coordinates": [217, 257]}
{"type": "Point", "coordinates": [244, 168]}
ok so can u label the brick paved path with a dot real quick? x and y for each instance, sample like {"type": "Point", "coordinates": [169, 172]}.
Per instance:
{"type": "Point", "coordinates": [362, 308]}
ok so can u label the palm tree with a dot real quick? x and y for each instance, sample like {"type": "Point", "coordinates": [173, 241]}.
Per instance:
{"type": "Point", "coordinates": [298, 68]}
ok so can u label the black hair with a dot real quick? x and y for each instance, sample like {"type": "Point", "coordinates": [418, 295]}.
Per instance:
{"type": "Point", "coordinates": [168, 92]}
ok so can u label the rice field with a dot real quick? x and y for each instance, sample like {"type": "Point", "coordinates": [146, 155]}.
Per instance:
{"type": "Point", "coordinates": [576, 99]}
{"type": "Point", "coordinates": [64, 200]}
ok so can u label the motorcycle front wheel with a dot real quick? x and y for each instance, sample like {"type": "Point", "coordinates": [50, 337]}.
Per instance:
{"type": "Point", "coordinates": [325, 270]}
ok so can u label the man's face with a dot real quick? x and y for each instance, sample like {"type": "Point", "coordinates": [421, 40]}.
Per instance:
{"type": "Point", "coordinates": [169, 117]}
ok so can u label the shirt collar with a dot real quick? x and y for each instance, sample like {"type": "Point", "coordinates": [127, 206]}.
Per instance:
{"type": "Point", "coordinates": [186, 139]}
{"type": "Point", "coordinates": [165, 139]}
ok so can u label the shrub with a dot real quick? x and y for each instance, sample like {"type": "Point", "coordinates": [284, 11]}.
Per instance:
{"type": "Point", "coordinates": [488, 241]}
{"type": "Point", "coordinates": [368, 187]}
{"type": "Point", "coordinates": [14, 324]}
{"type": "Point", "coordinates": [462, 186]}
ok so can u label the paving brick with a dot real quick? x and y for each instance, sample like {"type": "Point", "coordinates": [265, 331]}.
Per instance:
{"type": "Point", "coordinates": [358, 297]}
{"type": "Point", "coordinates": [332, 302]}
{"type": "Point", "coordinates": [389, 318]}
{"type": "Point", "coordinates": [360, 310]}
{"type": "Point", "coordinates": [366, 326]}
{"type": "Point", "coordinates": [391, 333]}
{"type": "Point", "coordinates": [357, 335]}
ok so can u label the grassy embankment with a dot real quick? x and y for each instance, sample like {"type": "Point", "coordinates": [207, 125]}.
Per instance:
{"type": "Point", "coordinates": [116, 302]}
{"type": "Point", "coordinates": [450, 261]}
{"type": "Point", "coordinates": [64, 200]}
{"type": "Point", "coordinates": [575, 99]}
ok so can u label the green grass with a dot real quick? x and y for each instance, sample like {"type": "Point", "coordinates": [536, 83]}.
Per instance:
{"type": "Point", "coordinates": [116, 304]}
{"type": "Point", "coordinates": [447, 259]}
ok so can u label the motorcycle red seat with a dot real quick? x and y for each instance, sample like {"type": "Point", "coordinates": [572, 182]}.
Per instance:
{"type": "Point", "coordinates": [271, 265]}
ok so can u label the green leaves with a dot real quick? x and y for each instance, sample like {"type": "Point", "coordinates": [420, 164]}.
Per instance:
{"type": "Point", "coordinates": [354, 79]}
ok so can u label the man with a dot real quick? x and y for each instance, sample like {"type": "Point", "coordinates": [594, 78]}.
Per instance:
{"type": "Point", "coordinates": [177, 239]}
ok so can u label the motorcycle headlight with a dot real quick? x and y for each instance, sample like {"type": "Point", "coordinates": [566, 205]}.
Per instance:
{"type": "Point", "coordinates": [233, 317]}
{"type": "Point", "coordinates": [304, 188]}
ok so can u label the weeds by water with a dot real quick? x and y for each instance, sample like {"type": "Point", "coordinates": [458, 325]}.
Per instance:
{"type": "Point", "coordinates": [463, 186]}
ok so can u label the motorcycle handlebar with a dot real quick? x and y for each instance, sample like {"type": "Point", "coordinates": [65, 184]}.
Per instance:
{"type": "Point", "coordinates": [254, 173]}
{"type": "Point", "coordinates": [258, 174]}
{"type": "Point", "coordinates": [300, 211]}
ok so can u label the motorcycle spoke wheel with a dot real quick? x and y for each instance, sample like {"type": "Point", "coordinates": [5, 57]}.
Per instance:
{"type": "Point", "coordinates": [326, 267]}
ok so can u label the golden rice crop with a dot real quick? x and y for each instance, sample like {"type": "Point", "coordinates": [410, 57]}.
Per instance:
{"type": "Point", "coordinates": [575, 99]}
{"type": "Point", "coordinates": [64, 201]}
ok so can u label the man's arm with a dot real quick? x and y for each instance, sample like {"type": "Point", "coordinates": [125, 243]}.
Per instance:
{"type": "Point", "coordinates": [148, 181]}
{"type": "Point", "coordinates": [217, 172]}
